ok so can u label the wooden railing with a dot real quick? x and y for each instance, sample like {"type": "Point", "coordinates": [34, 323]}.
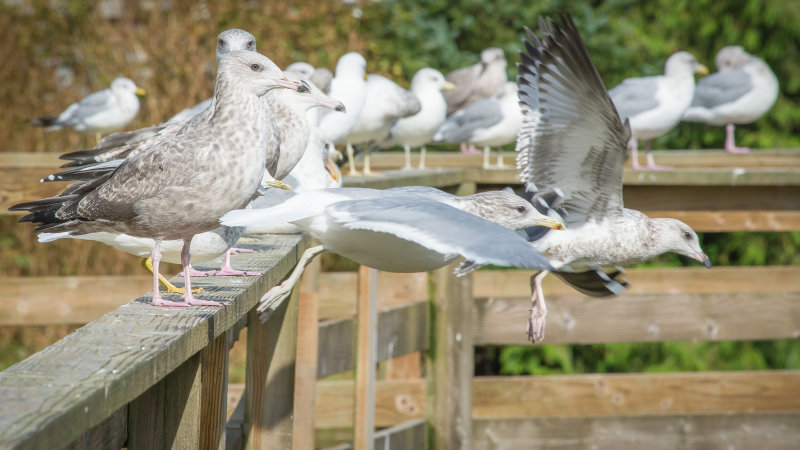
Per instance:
{"type": "Point", "coordinates": [149, 377]}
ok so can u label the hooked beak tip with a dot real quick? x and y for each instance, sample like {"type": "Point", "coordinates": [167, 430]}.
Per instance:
{"type": "Point", "coordinates": [341, 108]}
{"type": "Point", "coordinates": [705, 260]}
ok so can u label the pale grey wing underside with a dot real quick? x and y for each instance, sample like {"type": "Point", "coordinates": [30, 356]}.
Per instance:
{"type": "Point", "coordinates": [439, 227]}
{"type": "Point", "coordinates": [572, 137]}
{"type": "Point", "coordinates": [721, 88]}
{"type": "Point", "coordinates": [635, 96]}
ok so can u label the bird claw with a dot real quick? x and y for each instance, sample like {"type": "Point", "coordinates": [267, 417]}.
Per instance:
{"type": "Point", "coordinates": [271, 300]}
{"type": "Point", "coordinates": [536, 324]}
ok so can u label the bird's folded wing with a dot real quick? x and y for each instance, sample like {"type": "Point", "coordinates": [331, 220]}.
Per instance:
{"type": "Point", "coordinates": [721, 88]}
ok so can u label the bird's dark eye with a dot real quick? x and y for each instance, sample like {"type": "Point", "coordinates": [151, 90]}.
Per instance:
{"type": "Point", "coordinates": [251, 44]}
{"type": "Point", "coordinates": [221, 43]}
{"type": "Point", "coordinates": [687, 235]}
{"type": "Point", "coordinates": [522, 209]}
{"type": "Point", "coordinates": [256, 67]}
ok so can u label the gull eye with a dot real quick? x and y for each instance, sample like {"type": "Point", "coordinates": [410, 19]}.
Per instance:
{"type": "Point", "coordinates": [251, 44]}
{"type": "Point", "coordinates": [522, 209]}
{"type": "Point", "coordinates": [687, 235]}
{"type": "Point", "coordinates": [221, 43]}
{"type": "Point", "coordinates": [256, 67]}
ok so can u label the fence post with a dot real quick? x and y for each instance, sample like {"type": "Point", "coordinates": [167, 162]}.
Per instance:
{"type": "Point", "coordinates": [307, 354]}
{"type": "Point", "coordinates": [269, 388]}
{"type": "Point", "coordinates": [366, 358]}
{"type": "Point", "coordinates": [451, 357]}
{"type": "Point", "coordinates": [213, 393]}
{"type": "Point", "coordinates": [168, 414]}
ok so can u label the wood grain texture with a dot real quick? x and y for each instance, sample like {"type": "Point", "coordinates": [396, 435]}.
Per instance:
{"type": "Point", "coordinates": [577, 319]}
{"type": "Point", "coordinates": [725, 221]}
{"type": "Point", "coordinates": [112, 361]}
{"type": "Point", "coordinates": [701, 432]}
{"type": "Point", "coordinates": [366, 359]}
{"type": "Point", "coordinates": [450, 362]}
{"type": "Point", "coordinates": [111, 433]}
{"type": "Point", "coordinates": [213, 392]}
{"type": "Point", "coordinates": [637, 394]}
{"type": "Point", "coordinates": [168, 414]}
{"type": "Point", "coordinates": [270, 374]}
{"type": "Point", "coordinates": [338, 291]}
{"type": "Point", "coordinates": [438, 178]}
{"type": "Point", "coordinates": [305, 387]}
{"type": "Point", "coordinates": [401, 330]}
{"type": "Point", "coordinates": [396, 401]}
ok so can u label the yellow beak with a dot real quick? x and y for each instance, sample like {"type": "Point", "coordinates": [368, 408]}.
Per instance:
{"type": "Point", "coordinates": [332, 169]}
{"type": "Point", "coordinates": [448, 86]}
{"type": "Point", "coordinates": [550, 222]}
{"type": "Point", "coordinates": [279, 184]}
{"type": "Point", "coordinates": [140, 92]}
{"type": "Point", "coordinates": [702, 70]}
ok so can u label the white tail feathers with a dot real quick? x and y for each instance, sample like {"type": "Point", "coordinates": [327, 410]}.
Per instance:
{"type": "Point", "coordinates": [50, 237]}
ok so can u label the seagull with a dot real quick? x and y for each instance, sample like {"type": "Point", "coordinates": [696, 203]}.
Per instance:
{"type": "Point", "coordinates": [384, 104]}
{"type": "Point", "coordinates": [491, 122]}
{"type": "Point", "coordinates": [417, 130]}
{"type": "Point", "coordinates": [349, 87]}
{"type": "Point", "coordinates": [118, 146]}
{"type": "Point", "coordinates": [411, 229]}
{"type": "Point", "coordinates": [743, 90]}
{"type": "Point", "coordinates": [572, 146]}
{"type": "Point", "coordinates": [100, 112]}
{"type": "Point", "coordinates": [476, 82]}
{"type": "Point", "coordinates": [654, 105]}
{"type": "Point", "coordinates": [162, 193]}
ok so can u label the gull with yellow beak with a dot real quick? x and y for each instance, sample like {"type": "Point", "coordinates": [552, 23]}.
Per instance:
{"type": "Point", "coordinates": [417, 130]}
{"type": "Point", "coordinates": [99, 113]}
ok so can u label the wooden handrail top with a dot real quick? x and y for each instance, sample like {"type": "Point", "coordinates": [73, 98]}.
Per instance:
{"type": "Point", "coordinates": [54, 396]}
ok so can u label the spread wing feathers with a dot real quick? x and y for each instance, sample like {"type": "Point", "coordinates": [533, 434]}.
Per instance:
{"type": "Point", "coordinates": [721, 88]}
{"type": "Point", "coordinates": [440, 228]}
{"type": "Point", "coordinates": [595, 283]}
{"type": "Point", "coordinates": [114, 146]}
{"type": "Point", "coordinates": [572, 137]}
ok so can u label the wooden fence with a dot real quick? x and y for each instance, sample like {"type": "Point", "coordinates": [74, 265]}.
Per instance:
{"type": "Point", "coordinates": [146, 377]}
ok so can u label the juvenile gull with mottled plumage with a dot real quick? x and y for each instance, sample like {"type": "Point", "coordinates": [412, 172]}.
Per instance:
{"type": "Point", "coordinates": [573, 145]}
{"type": "Point", "coordinates": [163, 192]}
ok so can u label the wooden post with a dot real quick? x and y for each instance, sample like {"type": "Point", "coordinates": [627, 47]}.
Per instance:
{"type": "Point", "coordinates": [213, 393]}
{"type": "Point", "coordinates": [269, 391]}
{"type": "Point", "coordinates": [404, 367]}
{"type": "Point", "coordinates": [451, 361]}
{"type": "Point", "coordinates": [168, 414]}
{"type": "Point", "coordinates": [366, 358]}
{"type": "Point", "coordinates": [307, 354]}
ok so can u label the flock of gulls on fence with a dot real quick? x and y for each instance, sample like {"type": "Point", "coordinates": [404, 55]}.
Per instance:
{"type": "Point", "coordinates": [186, 189]}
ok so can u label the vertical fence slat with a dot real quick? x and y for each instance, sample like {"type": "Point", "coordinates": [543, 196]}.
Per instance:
{"type": "Point", "coordinates": [168, 414]}
{"type": "Point", "coordinates": [269, 392]}
{"type": "Point", "coordinates": [307, 348]}
{"type": "Point", "coordinates": [213, 393]}
{"type": "Point", "coordinates": [366, 358]}
{"type": "Point", "coordinates": [451, 361]}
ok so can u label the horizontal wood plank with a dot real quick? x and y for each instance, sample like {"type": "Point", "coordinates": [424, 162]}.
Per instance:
{"type": "Point", "coordinates": [701, 432]}
{"type": "Point", "coordinates": [396, 401]}
{"type": "Point", "coordinates": [577, 319]}
{"type": "Point", "coordinates": [727, 221]}
{"type": "Point", "coordinates": [401, 330]}
{"type": "Point", "coordinates": [116, 358]}
{"type": "Point", "coordinates": [338, 291]}
{"type": "Point", "coordinates": [636, 394]}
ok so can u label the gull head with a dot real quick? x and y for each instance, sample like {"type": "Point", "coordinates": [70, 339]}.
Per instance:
{"type": "Point", "coordinates": [491, 56]}
{"type": "Point", "coordinates": [731, 57]}
{"type": "Point", "coordinates": [674, 235]}
{"type": "Point", "coordinates": [351, 65]}
{"type": "Point", "coordinates": [428, 77]}
{"type": "Point", "coordinates": [123, 84]}
{"type": "Point", "coordinates": [507, 209]}
{"type": "Point", "coordinates": [234, 40]}
{"type": "Point", "coordinates": [309, 96]}
{"type": "Point", "coordinates": [254, 72]}
{"type": "Point", "coordinates": [683, 63]}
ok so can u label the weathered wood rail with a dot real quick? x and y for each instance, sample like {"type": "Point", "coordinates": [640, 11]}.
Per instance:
{"type": "Point", "coordinates": [143, 377]}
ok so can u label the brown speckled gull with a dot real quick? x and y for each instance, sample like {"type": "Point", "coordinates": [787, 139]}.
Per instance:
{"type": "Point", "coordinates": [163, 192]}
{"type": "Point", "coordinates": [573, 145]}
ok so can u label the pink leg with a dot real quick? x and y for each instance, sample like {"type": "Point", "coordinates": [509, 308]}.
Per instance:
{"type": "Point", "coordinates": [537, 320]}
{"type": "Point", "coordinates": [227, 271]}
{"type": "Point", "coordinates": [157, 299]}
{"type": "Point", "coordinates": [469, 149]}
{"type": "Point", "coordinates": [237, 250]}
{"type": "Point", "coordinates": [192, 272]}
{"type": "Point", "coordinates": [188, 297]}
{"type": "Point", "coordinates": [651, 164]}
{"type": "Point", "coordinates": [634, 146]}
{"type": "Point", "coordinates": [730, 144]}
